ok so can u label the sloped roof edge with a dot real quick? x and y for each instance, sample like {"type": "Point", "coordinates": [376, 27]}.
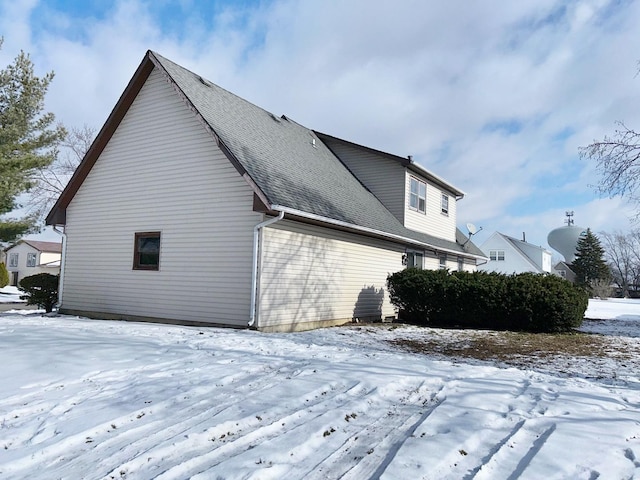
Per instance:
{"type": "Point", "coordinates": [404, 161]}
{"type": "Point", "coordinates": [58, 214]}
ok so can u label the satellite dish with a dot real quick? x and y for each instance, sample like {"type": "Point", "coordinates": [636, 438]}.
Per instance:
{"type": "Point", "coordinates": [472, 229]}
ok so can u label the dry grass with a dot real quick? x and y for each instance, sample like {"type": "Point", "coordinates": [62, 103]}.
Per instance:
{"type": "Point", "coordinates": [505, 345]}
{"type": "Point", "coordinates": [528, 350]}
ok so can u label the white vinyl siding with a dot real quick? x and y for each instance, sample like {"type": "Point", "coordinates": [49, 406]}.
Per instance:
{"type": "Point", "coordinates": [310, 274]}
{"type": "Point", "coordinates": [432, 222]}
{"type": "Point", "coordinates": [161, 172]}
{"type": "Point", "coordinates": [382, 176]}
{"type": "Point", "coordinates": [510, 255]}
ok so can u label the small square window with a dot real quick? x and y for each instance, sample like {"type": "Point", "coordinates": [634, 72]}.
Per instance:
{"type": "Point", "coordinates": [496, 255]}
{"type": "Point", "coordinates": [31, 259]}
{"type": "Point", "coordinates": [13, 260]}
{"type": "Point", "coordinates": [418, 195]}
{"type": "Point", "coordinates": [444, 204]}
{"type": "Point", "coordinates": [146, 255]}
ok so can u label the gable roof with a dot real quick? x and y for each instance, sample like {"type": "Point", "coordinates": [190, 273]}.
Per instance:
{"type": "Point", "coordinates": [49, 247]}
{"type": "Point", "coordinates": [404, 161]}
{"type": "Point", "coordinates": [287, 165]}
{"type": "Point", "coordinates": [517, 245]}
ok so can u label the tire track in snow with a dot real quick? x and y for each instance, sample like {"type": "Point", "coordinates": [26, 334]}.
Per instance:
{"type": "Point", "coordinates": [213, 446]}
{"type": "Point", "coordinates": [367, 451]}
{"type": "Point", "coordinates": [97, 445]}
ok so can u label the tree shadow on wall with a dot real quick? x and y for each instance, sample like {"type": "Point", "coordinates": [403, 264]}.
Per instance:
{"type": "Point", "coordinates": [368, 307]}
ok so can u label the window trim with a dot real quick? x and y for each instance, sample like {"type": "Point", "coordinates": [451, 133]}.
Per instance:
{"type": "Point", "coordinates": [32, 259]}
{"type": "Point", "coordinates": [137, 265]}
{"type": "Point", "coordinates": [496, 255]}
{"type": "Point", "coordinates": [415, 255]}
{"type": "Point", "coordinates": [444, 204]}
{"type": "Point", "coordinates": [419, 183]}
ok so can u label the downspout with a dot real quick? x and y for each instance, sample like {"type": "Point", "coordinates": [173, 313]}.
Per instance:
{"type": "Point", "coordinates": [62, 263]}
{"type": "Point", "coordinates": [254, 271]}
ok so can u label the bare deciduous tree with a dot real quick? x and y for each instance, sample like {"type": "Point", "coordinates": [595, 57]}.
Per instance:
{"type": "Point", "coordinates": [623, 256]}
{"type": "Point", "coordinates": [49, 181]}
{"type": "Point", "coordinates": [618, 161]}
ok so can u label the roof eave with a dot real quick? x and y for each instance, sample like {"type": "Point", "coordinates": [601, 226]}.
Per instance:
{"type": "Point", "coordinates": [371, 232]}
{"type": "Point", "coordinates": [58, 214]}
{"type": "Point", "coordinates": [404, 161]}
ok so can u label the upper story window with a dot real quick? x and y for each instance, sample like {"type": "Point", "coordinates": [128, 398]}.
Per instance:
{"type": "Point", "coordinates": [13, 260]}
{"type": "Point", "coordinates": [418, 195]}
{"type": "Point", "coordinates": [444, 204]}
{"type": "Point", "coordinates": [31, 259]}
{"type": "Point", "coordinates": [146, 254]}
{"type": "Point", "coordinates": [496, 255]}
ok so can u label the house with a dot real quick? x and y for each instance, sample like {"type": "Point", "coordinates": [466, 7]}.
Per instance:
{"type": "Point", "coordinates": [563, 269]}
{"type": "Point", "coordinates": [195, 206]}
{"type": "Point", "coordinates": [29, 257]}
{"type": "Point", "coordinates": [509, 255]}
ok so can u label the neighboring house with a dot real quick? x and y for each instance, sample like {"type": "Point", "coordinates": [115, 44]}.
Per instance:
{"type": "Point", "coordinates": [510, 255]}
{"type": "Point", "coordinates": [195, 206]}
{"type": "Point", "coordinates": [563, 269]}
{"type": "Point", "coordinates": [28, 257]}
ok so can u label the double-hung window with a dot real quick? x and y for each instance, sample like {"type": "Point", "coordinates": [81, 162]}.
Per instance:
{"type": "Point", "coordinates": [442, 261]}
{"type": "Point", "coordinates": [146, 253]}
{"type": "Point", "coordinates": [31, 259]}
{"type": "Point", "coordinates": [13, 260]}
{"type": "Point", "coordinates": [418, 195]}
{"type": "Point", "coordinates": [444, 204]}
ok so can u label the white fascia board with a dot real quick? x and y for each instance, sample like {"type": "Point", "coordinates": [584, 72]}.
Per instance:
{"type": "Point", "coordinates": [371, 231]}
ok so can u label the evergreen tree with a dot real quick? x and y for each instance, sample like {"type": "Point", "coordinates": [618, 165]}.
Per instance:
{"type": "Point", "coordinates": [4, 275]}
{"type": "Point", "coordinates": [590, 265]}
{"type": "Point", "coordinates": [28, 138]}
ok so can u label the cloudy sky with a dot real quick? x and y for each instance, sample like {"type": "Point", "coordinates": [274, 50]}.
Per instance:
{"type": "Point", "coordinates": [496, 96]}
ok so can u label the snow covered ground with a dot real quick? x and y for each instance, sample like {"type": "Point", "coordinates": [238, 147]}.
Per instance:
{"type": "Point", "coordinates": [10, 294]}
{"type": "Point", "coordinates": [97, 399]}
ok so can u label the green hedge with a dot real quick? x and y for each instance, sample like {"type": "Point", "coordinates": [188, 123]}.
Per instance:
{"type": "Point", "coordinates": [524, 302]}
{"type": "Point", "coordinates": [40, 289]}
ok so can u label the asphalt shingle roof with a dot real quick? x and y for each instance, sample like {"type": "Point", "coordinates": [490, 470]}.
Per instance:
{"type": "Point", "coordinates": [290, 165]}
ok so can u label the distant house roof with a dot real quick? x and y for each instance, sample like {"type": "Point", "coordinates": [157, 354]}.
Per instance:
{"type": "Point", "coordinates": [518, 245]}
{"type": "Point", "coordinates": [288, 166]}
{"type": "Point", "coordinates": [48, 247]}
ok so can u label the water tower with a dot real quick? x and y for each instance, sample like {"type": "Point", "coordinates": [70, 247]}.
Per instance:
{"type": "Point", "coordinates": [565, 239]}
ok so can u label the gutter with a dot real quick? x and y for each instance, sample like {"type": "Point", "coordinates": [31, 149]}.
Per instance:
{"type": "Point", "coordinates": [62, 263]}
{"type": "Point", "coordinates": [371, 231]}
{"type": "Point", "coordinates": [257, 245]}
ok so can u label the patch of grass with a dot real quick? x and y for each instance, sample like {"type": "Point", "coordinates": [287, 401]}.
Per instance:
{"type": "Point", "coordinates": [511, 347]}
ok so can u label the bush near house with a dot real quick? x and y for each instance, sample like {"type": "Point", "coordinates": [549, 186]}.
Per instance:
{"type": "Point", "coordinates": [41, 290]}
{"type": "Point", "coordinates": [487, 300]}
{"type": "Point", "coordinates": [4, 275]}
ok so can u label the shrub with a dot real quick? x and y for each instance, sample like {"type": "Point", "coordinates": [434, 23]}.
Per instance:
{"type": "Point", "coordinates": [524, 302]}
{"type": "Point", "coordinates": [41, 290]}
{"type": "Point", "coordinates": [4, 275]}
